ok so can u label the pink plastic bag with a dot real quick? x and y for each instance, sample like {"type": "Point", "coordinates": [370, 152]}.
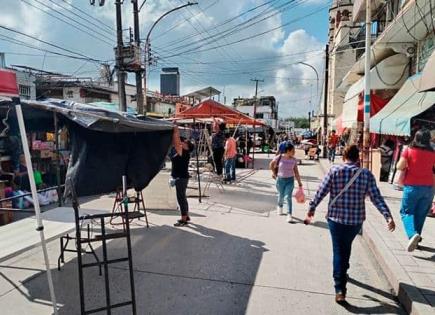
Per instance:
{"type": "Point", "coordinates": [299, 195]}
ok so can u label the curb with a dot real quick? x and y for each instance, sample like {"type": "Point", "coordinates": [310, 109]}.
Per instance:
{"type": "Point", "coordinates": [407, 294]}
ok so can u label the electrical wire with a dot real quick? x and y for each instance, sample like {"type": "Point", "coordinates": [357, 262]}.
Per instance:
{"type": "Point", "coordinates": [227, 21]}
{"type": "Point", "coordinates": [244, 25]}
{"type": "Point", "coordinates": [183, 21]}
{"type": "Point", "coordinates": [382, 80]}
{"type": "Point", "coordinates": [195, 50]}
{"type": "Point", "coordinates": [88, 15]}
{"type": "Point", "coordinates": [109, 32]}
{"type": "Point", "coordinates": [49, 44]}
{"type": "Point", "coordinates": [66, 22]}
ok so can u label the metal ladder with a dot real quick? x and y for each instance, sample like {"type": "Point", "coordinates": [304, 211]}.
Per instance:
{"type": "Point", "coordinates": [104, 262]}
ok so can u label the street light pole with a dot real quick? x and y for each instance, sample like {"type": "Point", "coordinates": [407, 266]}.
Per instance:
{"type": "Point", "coordinates": [317, 76]}
{"type": "Point", "coordinates": [367, 101]}
{"type": "Point", "coordinates": [148, 52]}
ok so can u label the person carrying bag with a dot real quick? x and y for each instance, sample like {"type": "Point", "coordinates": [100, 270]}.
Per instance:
{"type": "Point", "coordinates": [348, 186]}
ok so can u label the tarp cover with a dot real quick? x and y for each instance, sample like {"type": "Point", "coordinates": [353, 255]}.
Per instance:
{"type": "Point", "coordinates": [104, 144]}
{"type": "Point", "coordinates": [213, 109]}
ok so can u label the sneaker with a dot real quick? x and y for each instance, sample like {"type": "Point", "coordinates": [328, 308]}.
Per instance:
{"type": "Point", "coordinates": [289, 218]}
{"type": "Point", "coordinates": [413, 242]}
{"type": "Point", "coordinates": [279, 210]}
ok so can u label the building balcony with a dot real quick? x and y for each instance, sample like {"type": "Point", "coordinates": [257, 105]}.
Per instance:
{"type": "Point", "coordinates": [400, 35]}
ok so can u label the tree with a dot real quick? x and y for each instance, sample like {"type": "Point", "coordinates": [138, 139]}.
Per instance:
{"type": "Point", "coordinates": [300, 122]}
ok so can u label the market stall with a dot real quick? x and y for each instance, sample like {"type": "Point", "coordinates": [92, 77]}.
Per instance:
{"type": "Point", "coordinates": [105, 147]}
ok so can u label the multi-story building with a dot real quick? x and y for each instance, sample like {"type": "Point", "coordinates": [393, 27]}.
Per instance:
{"type": "Point", "coordinates": [170, 82]}
{"type": "Point", "coordinates": [341, 55]}
{"type": "Point", "coordinates": [403, 40]}
{"type": "Point", "coordinates": [266, 109]}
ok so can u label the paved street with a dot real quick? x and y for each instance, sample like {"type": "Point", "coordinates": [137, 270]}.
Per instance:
{"type": "Point", "coordinates": [238, 257]}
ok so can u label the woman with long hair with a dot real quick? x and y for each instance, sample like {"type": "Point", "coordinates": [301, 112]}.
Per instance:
{"type": "Point", "coordinates": [418, 164]}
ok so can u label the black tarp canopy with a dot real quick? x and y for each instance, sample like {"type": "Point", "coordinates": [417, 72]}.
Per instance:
{"type": "Point", "coordinates": [105, 145]}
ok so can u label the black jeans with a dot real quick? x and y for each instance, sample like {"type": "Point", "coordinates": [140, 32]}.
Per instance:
{"type": "Point", "coordinates": [218, 155]}
{"type": "Point", "coordinates": [342, 236]}
{"type": "Point", "coordinates": [180, 188]}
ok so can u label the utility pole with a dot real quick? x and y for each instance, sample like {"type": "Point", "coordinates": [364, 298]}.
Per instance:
{"type": "Point", "coordinates": [148, 49]}
{"type": "Point", "coordinates": [309, 120]}
{"type": "Point", "coordinates": [255, 117]}
{"type": "Point", "coordinates": [367, 101]}
{"type": "Point", "coordinates": [325, 101]}
{"type": "Point", "coordinates": [138, 73]}
{"type": "Point", "coordinates": [119, 58]}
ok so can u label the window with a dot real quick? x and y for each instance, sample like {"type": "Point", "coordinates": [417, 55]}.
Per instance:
{"type": "Point", "coordinates": [25, 92]}
{"type": "Point", "coordinates": [69, 94]}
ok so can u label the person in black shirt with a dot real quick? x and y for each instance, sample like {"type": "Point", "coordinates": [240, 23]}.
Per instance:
{"type": "Point", "coordinates": [180, 157]}
{"type": "Point", "coordinates": [218, 146]}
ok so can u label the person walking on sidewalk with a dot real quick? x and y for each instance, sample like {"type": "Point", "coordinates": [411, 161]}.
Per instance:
{"type": "Point", "coordinates": [180, 157]}
{"type": "Point", "coordinates": [230, 155]}
{"type": "Point", "coordinates": [218, 147]}
{"type": "Point", "coordinates": [348, 186]}
{"type": "Point", "coordinates": [285, 169]}
{"type": "Point", "coordinates": [332, 145]}
{"type": "Point", "coordinates": [418, 163]}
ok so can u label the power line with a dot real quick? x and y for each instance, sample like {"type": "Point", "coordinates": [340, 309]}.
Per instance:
{"type": "Point", "coordinates": [253, 36]}
{"type": "Point", "coordinates": [48, 43]}
{"type": "Point", "coordinates": [180, 40]}
{"type": "Point", "coordinates": [184, 21]}
{"type": "Point", "coordinates": [244, 25]}
{"type": "Point", "coordinates": [109, 32]}
{"type": "Point", "coordinates": [66, 22]}
{"type": "Point", "coordinates": [88, 15]}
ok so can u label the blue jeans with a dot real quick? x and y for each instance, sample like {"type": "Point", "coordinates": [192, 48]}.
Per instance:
{"type": "Point", "coordinates": [331, 154]}
{"type": "Point", "coordinates": [230, 169]}
{"type": "Point", "coordinates": [285, 188]}
{"type": "Point", "coordinates": [342, 236]}
{"type": "Point", "coordinates": [416, 202]}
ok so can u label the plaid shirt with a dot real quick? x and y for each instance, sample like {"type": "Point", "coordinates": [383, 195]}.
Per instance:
{"type": "Point", "coordinates": [350, 206]}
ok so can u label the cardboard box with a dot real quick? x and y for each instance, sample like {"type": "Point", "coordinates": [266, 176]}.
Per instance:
{"type": "Point", "coordinates": [45, 154]}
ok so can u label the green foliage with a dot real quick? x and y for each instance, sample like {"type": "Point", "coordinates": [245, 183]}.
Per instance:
{"type": "Point", "coordinates": [300, 122]}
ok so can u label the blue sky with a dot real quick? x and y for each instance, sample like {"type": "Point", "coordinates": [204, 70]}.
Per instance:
{"type": "Point", "coordinates": [229, 67]}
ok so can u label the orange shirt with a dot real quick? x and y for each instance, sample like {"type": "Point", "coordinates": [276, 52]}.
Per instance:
{"type": "Point", "coordinates": [230, 148]}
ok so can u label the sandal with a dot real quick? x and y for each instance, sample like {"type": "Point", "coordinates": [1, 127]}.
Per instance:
{"type": "Point", "coordinates": [181, 223]}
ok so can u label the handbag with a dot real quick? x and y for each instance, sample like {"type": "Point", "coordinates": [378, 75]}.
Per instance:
{"type": "Point", "coordinates": [345, 188]}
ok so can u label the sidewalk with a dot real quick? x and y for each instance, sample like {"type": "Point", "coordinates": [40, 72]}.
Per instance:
{"type": "Point", "coordinates": [411, 275]}
{"type": "Point", "coordinates": [236, 257]}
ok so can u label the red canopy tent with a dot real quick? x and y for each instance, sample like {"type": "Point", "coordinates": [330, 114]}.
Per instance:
{"type": "Point", "coordinates": [213, 109]}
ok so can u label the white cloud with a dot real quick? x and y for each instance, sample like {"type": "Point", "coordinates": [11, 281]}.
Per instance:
{"type": "Point", "coordinates": [230, 66]}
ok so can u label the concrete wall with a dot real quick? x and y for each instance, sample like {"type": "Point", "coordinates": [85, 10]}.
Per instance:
{"type": "Point", "coordinates": [25, 79]}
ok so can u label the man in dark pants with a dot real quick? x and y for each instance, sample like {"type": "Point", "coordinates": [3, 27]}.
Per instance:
{"type": "Point", "coordinates": [218, 146]}
{"type": "Point", "coordinates": [180, 157]}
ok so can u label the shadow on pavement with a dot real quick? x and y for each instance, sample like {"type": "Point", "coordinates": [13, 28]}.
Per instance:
{"type": "Point", "coordinates": [382, 308]}
{"type": "Point", "coordinates": [191, 270]}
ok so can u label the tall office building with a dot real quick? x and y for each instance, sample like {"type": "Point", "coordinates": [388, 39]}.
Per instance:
{"type": "Point", "coordinates": [170, 81]}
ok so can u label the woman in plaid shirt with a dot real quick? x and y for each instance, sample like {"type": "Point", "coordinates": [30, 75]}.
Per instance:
{"type": "Point", "coordinates": [346, 211]}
